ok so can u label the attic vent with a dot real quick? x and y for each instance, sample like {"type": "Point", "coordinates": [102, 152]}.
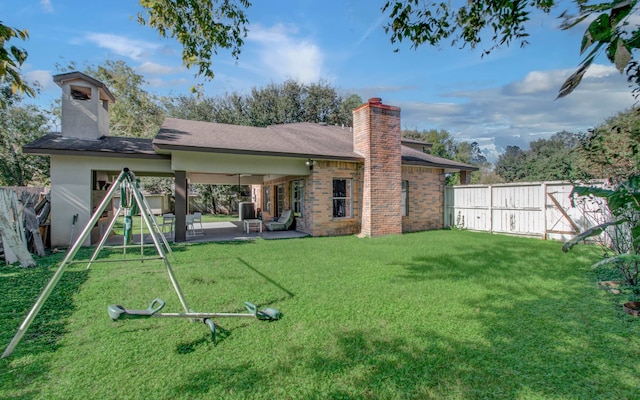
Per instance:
{"type": "Point", "coordinates": [80, 93]}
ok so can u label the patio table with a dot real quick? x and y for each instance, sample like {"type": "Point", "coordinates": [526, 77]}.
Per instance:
{"type": "Point", "coordinates": [248, 223]}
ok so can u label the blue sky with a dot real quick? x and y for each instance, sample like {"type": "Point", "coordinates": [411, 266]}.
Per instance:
{"type": "Point", "coordinates": [506, 98]}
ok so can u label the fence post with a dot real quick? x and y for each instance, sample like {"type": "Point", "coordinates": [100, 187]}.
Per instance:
{"type": "Point", "coordinates": [544, 210]}
{"type": "Point", "coordinates": [490, 188]}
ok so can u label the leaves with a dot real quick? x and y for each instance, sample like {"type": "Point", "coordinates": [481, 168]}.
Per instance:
{"type": "Point", "coordinates": [598, 30]}
{"type": "Point", "coordinates": [202, 27]}
{"type": "Point", "coordinates": [593, 231]}
{"type": "Point", "coordinates": [11, 59]}
{"type": "Point", "coordinates": [21, 124]}
{"type": "Point", "coordinates": [621, 56]}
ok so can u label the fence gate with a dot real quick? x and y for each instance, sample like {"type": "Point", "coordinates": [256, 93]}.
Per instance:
{"type": "Point", "coordinates": [535, 209]}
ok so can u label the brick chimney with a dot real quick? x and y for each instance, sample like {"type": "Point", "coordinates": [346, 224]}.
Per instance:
{"type": "Point", "coordinates": [377, 138]}
{"type": "Point", "coordinates": [85, 106]}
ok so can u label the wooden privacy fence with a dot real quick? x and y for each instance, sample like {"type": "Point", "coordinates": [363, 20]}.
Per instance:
{"type": "Point", "coordinates": [536, 209]}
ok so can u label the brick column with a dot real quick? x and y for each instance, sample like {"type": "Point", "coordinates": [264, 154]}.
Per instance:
{"type": "Point", "coordinates": [377, 138]}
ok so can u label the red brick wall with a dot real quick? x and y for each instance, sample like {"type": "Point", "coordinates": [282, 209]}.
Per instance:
{"type": "Point", "coordinates": [318, 195]}
{"type": "Point", "coordinates": [285, 182]}
{"type": "Point", "coordinates": [317, 209]}
{"type": "Point", "coordinates": [425, 198]}
{"type": "Point", "coordinates": [377, 139]}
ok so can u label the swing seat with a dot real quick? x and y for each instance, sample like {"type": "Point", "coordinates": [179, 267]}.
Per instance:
{"type": "Point", "coordinates": [266, 314]}
{"type": "Point", "coordinates": [269, 314]}
{"type": "Point", "coordinates": [117, 312]}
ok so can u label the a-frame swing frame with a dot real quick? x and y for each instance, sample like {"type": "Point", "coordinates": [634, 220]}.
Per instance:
{"type": "Point", "coordinates": [126, 180]}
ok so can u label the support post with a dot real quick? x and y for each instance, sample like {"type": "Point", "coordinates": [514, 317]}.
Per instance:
{"type": "Point", "coordinates": [181, 206]}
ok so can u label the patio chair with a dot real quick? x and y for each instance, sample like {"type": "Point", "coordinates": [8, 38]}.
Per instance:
{"type": "Point", "coordinates": [168, 221]}
{"type": "Point", "coordinates": [197, 219]}
{"type": "Point", "coordinates": [192, 220]}
{"type": "Point", "coordinates": [282, 224]}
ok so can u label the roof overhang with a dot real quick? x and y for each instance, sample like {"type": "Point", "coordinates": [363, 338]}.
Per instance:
{"type": "Point", "coordinates": [169, 149]}
{"type": "Point", "coordinates": [105, 93]}
{"type": "Point", "coordinates": [107, 146]}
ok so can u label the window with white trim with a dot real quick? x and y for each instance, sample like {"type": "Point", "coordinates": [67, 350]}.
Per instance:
{"type": "Point", "coordinates": [342, 194]}
{"type": "Point", "coordinates": [279, 199]}
{"type": "Point", "coordinates": [297, 196]}
{"type": "Point", "coordinates": [266, 199]}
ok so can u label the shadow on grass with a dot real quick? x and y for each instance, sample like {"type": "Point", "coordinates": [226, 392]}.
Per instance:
{"type": "Point", "coordinates": [189, 347]}
{"type": "Point", "coordinates": [529, 340]}
{"type": "Point", "coordinates": [516, 359]}
{"type": "Point", "coordinates": [254, 269]}
{"type": "Point", "coordinates": [20, 289]}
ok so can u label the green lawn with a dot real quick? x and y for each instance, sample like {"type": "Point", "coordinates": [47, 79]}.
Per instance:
{"type": "Point", "coordinates": [441, 314]}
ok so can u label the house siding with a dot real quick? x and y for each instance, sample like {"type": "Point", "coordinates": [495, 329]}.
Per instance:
{"type": "Point", "coordinates": [425, 198]}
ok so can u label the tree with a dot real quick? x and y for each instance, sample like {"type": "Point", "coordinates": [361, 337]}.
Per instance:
{"type": "Point", "coordinates": [273, 104]}
{"type": "Point", "coordinates": [511, 164]}
{"type": "Point", "coordinates": [11, 59]}
{"type": "Point", "coordinates": [135, 112]}
{"type": "Point", "coordinates": [20, 124]}
{"type": "Point", "coordinates": [429, 22]}
{"type": "Point", "coordinates": [556, 158]}
{"type": "Point", "coordinates": [201, 26]}
{"type": "Point", "coordinates": [612, 149]}
{"type": "Point", "coordinates": [321, 103]}
{"type": "Point", "coordinates": [443, 145]}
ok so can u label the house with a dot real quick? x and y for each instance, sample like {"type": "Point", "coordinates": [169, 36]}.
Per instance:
{"type": "Point", "coordinates": [365, 180]}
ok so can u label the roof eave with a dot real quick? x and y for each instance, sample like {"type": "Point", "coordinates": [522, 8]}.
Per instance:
{"type": "Point", "coordinates": [88, 153]}
{"type": "Point", "coordinates": [167, 148]}
{"type": "Point", "coordinates": [445, 167]}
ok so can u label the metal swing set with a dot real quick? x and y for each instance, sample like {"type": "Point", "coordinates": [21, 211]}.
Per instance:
{"type": "Point", "coordinates": [133, 202]}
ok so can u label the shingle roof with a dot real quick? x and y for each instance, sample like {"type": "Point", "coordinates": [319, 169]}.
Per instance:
{"type": "Point", "coordinates": [415, 157]}
{"type": "Point", "coordinates": [302, 139]}
{"type": "Point", "coordinates": [55, 143]}
{"type": "Point", "coordinates": [295, 140]}
{"type": "Point", "coordinates": [289, 140]}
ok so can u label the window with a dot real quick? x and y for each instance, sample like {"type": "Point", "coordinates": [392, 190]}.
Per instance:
{"type": "Point", "coordinates": [342, 207]}
{"type": "Point", "coordinates": [279, 200]}
{"type": "Point", "coordinates": [405, 198]}
{"type": "Point", "coordinates": [297, 196]}
{"type": "Point", "coordinates": [266, 199]}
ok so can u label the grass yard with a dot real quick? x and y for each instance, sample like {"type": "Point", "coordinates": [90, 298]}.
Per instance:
{"type": "Point", "coordinates": [441, 314]}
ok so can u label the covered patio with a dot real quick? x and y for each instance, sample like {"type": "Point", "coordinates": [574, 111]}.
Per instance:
{"type": "Point", "coordinates": [227, 231]}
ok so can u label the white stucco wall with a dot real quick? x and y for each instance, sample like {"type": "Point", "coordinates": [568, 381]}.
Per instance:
{"type": "Point", "coordinates": [237, 164]}
{"type": "Point", "coordinates": [71, 189]}
{"type": "Point", "coordinates": [85, 119]}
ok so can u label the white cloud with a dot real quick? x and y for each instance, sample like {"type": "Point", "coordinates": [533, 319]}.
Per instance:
{"type": "Point", "coordinates": [43, 78]}
{"type": "Point", "coordinates": [123, 46]}
{"type": "Point", "coordinates": [524, 110]}
{"type": "Point", "coordinates": [285, 56]}
{"type": "Point", "coordinates": [158, 69]}
{"type": "Point", "coordinates": [170, 83]}
{"type": "Point", "coordinates": [537, 81]}
{"type": "Point", "coordinates": [46, 6]}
